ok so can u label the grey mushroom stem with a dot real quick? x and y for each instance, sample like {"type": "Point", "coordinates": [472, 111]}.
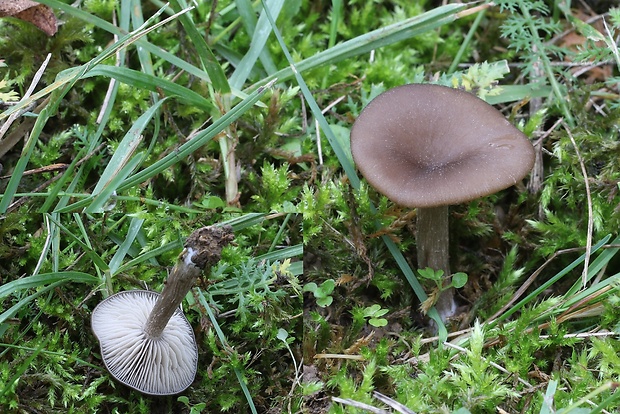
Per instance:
{"type": "Point", "coordinates": [432, 241]}
{"type": "Point", "coordinates": [179, 282]}
{"type": "Point", "coordinates": [203, 248]}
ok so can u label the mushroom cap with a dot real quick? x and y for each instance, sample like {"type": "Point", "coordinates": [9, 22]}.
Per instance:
{"type": "Point", "coordinates": [158, 366]}
{"type": "Point", "coordinates": [428, 145]}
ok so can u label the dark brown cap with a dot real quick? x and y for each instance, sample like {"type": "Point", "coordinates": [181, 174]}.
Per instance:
{"type": "Point", "coordinates": [430, 145]}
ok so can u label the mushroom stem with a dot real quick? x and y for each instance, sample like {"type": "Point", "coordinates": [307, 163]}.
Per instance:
{"type": "Point", "coordinates": [432, 241]}
{"type": "Point", "coordinates": [179, 282]}
{"type": "Point", "coordinates": [203, 248]}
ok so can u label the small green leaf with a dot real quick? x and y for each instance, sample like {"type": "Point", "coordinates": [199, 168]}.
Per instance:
{"type": "Point", "coordinates": [324, 302]}
{"type": "Point", "coordinates": [282, 335]}
{"type": "Point", "coordinates": [328, 286]}
{"type": "Point", "coordinates": [459, 279]}
{"type": "Point", "coordinates": [378, 322]}
{"type": "Point", "coordinates": [372, 310]}
{"type": "Point", "coordinates": [431, 274]}
{"type": "Point", "coordinates": [211, 202]}
{"type": "Point", "coordinates": [310, 287]}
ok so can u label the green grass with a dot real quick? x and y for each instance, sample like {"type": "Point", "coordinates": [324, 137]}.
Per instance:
{"type": "Point", "coordinates": [162, 118]}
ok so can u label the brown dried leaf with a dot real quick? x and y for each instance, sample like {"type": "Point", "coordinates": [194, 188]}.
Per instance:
{"type": "Point", "coordinates": [344, 279]}
{"type": "Point", "coordinates": [38, 14]}
{"type": "Point", "coordinates": [430, 301]}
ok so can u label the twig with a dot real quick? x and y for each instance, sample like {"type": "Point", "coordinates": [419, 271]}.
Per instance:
{"type": "Point", "coordinates": [212, 15]}
{"type": "Point", "coordinates": [584, 276]}
{"type": "Point", "coordinates": [583, 335]}
{"type": "Point", "coordinates": [339, 356]}
{"type": "Point", "coordinates": [612, 43]}
{"type": "Point", "coordinates": [548, 132]}
{"type": "Point", "coordinates": [537, 175]}
{"type": "Point", "coordinates": [47, 168]}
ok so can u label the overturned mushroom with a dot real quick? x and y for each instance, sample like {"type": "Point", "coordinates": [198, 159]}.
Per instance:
{"type": "Point", "coordinates": [429, 146]}
{"type": "Point", "coordinates": [146, 341]}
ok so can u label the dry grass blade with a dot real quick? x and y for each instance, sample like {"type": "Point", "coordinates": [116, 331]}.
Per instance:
{"type": "Point", "coordinates": [584, 277]}
{"type": "Point", "coordinates": [7, 124]}
{"type": "Point", "coordinates": [508, 309]}
{"type": "Point", "coordinates": [360, 405]}
{"type": "Point", "coordinates": [392, 403]}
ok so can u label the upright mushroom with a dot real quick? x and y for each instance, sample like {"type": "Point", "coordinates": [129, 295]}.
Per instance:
{"type": "Point", "coordinates": [146, 341]}
{"type": "Point", "coordinates": [430, 146]}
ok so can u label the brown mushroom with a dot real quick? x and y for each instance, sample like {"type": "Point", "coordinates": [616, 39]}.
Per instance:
{"type": "Point", "coordinates": [430, 146]}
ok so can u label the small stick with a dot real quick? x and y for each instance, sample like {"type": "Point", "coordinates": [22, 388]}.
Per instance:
{"type": "Point", "coordinates": [203, 249]}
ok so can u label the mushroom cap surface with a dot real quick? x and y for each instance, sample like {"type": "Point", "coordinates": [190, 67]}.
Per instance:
{"type": "Point", "coordinates": [158, 366]}
{"type": "Point", "coordinates": [427, 145]}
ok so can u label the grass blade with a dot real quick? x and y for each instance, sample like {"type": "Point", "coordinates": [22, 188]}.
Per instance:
{"type": "Point", "coordinates": [175, 245]}
{"type": "Point", "coordinates": [384, 36]}
{"type": "Point", "coordinates": [283, 254]}
{"type": "Point", "coordinates": [545, 285]}
{"type": "Point", "coordinates": [67, 78]}
{"type": "Point", "coordinates": [122, 163]}
{"type": "Point", "coordinates": [248, 17]}
{"type": "Point", "coordinates": [547, 406]}
{"type": "Point", "coordinates": [597, 265]}
{"type": "Point", "coordinates": [207, 58]}
{"type": "Point", "coordinates": [9, 313]}
{"type": "Point", "coordinates": [20, 167]}
{"type": "Point", "coordinates": [134, 228]}
{"type": "Point", "coordinates": [220, 334]}
{"type": "Point", "coordinates": [97, 260]}
{"type": "Point", "coordinates": [102, 24]}
{"type": "Point", "coordinates": [197, 141]}
{"type": "Point", "coordinates": [247, 220]}
{"type": "Point", "coordinates": [43, 279]}
{"type": "Point", "coordinates": [257, 45]}
{"type": "Point", "coordinates": [22, 368]}
{"type": "Point", "coordinates": [335, 17]}
{"type": "Point", "coordinates": [151, 83]}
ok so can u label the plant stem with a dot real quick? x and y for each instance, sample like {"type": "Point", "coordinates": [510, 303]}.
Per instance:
{"type": "Point", "coordinates": [466, 41]}
{"type": "Point", "coordinates": [230, 174]}
{"type": "Point", "coordinates": [203, 248]}
{"type": "Point", "coordinates": [555, 86]}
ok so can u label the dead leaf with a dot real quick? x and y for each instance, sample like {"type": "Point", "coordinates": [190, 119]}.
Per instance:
{"type": "Point", "coordinates": [430, 301]}
{"type": "Point", "coordinates": [344, 279]}
{"type": "Point", "coordinates": [38, 14]}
